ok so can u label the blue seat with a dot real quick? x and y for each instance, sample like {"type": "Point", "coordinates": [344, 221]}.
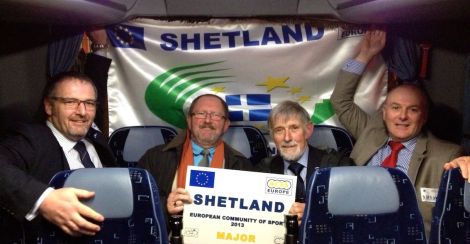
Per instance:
{"type": "Point", "coordinates": [451, 214]}
{"type": "Point", "coordinates": [361, 205]}
{"type": "Point", "coordinates": [130, 143]}
{"type": "Point", "coordinates": [330, 137]}
{"type": "Point", "coordinates": [248, 140]}
{"type": "Point", "coordinates": [127, 198]}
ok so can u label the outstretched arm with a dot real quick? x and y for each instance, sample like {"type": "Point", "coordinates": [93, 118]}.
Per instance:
{"type": "Point", "coordinates": [342, 98]}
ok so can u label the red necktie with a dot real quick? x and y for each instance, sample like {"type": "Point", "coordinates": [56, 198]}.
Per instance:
{"type": "Point", "coordinates": [391, 160]}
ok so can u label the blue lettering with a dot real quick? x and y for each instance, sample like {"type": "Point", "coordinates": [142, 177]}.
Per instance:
{"type": "Point", "coordinates": [232, 200]}
{"type": "Point", "coordinates": [267, 206]}
{"type": "Point", "coordinates": [278, 207]}
{"type": "Point", "coordinates": [198, 199]}
{"type": "Point", "coordinates": [309, 33]}
{"type": "Point", "coordinates": [210, 200]}
{"type": "Point", "coordinates": [254, 205]}
{"type": "Point", "coordinates": [246, 40]}
{"type": "Point", "coordinates": [270, 35]}
{"type": "Point", "coordinates": [210, 38]}
{"type": "Point", "coordinates": [169, 44]}
{"type": "Point", "coordinates": [231, 37]}
{"type": "Point", "coordinates": [242, 206]}
{"type": "Point", "coordinates": [196, 40]}
{"type": "Point", "coordinates": [288, 32]}
{"type": "Point", "coordinates": [221, 202]}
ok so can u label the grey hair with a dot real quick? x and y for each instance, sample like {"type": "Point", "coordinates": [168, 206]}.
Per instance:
{"type": "Point", "coordinates": [288, 109]}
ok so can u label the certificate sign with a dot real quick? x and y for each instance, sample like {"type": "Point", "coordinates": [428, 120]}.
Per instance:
{"type": "Point", "coordinates": [232, 206]}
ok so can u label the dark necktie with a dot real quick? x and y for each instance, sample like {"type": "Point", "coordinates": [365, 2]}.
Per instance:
{"type": "Point", "coordinates": [84, 157]}
{"type": "Point", "coordinates": [296, 168]}
{"type": "Point", "coordinates": [391, 160]}
{"type": "Point", "coordinates": [205, 158]}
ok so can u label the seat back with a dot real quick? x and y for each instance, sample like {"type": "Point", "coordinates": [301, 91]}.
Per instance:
{"type": "Point", "coordinates": [331, 137]}
{"type": "Point", "coordinates": [361, 205]}
{"type": "Point", "coordinates": [451, 215]}
{"type": "Point", "coordinates": [248, 140]}
{"type": "Point", "coordinates": [130, 143]}
{"type": "Point", "coordinates": [127, 198]}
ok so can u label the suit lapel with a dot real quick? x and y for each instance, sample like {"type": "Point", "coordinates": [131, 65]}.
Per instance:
{"type": "Point", "coordinates": [418, 156]}
{"type": "Point", "coordinates": [314, 159]}
{"type": "Point", "coordinates": [277, 165]}
{"type": "Point", "coordinates": [368, 148]}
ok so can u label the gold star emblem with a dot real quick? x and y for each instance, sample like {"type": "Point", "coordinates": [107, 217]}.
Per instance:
{"type": "Point", "coordinates": [218, 89]}
{"type": "Point", "coordinates": [303, 99]}
{"type": "Point", "coordinates": [272, 83]}
{"type": "Point", "coordinates": [295, 90]}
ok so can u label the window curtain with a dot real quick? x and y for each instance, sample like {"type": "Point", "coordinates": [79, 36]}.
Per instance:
{"type": "Point", "coordinates": [63, 49]}
{"type": "Point", "coordinates": [402, 58]}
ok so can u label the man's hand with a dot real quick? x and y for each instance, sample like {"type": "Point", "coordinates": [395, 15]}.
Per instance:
{"type": "Point", "coordinates": [63, 208]}
{"type": "Point", "coordinates": [176, 200]}
{"type": "Point", "coordinates": [298, 209]}
{"type": "Point", "coordinates": [461, 162]}
{"type": "Point", "coordinates": [98, 36]}
{"type": "Point", "coordinates": [372, 43]}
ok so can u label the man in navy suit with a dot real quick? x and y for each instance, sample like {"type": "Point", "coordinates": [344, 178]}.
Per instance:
{"type": "Point", "coordinates": [33, 153]}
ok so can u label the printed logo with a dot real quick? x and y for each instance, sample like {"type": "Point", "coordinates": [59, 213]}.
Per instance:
{"type": "Point", "coordinates": [346, 33]}
{"type": "Point", "coordinates": [279, 186]}
{"type": "Point", "coordinates": [202, 178]}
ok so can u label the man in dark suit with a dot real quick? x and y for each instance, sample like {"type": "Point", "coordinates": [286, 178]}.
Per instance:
{"type": "Point", "coordinates": [32, 154]}
{"type": "Point", "coordinates": [290, 127]}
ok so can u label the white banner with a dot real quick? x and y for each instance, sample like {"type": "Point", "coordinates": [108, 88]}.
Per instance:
{"type": "Point", "coordinates": [159, 67]}
{"type": "Point", "coordinates": [223, 211]}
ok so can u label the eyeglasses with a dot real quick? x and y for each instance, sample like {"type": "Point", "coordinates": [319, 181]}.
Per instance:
{"type": "Point", "coordinates": [213, 116]}
{"type": "Point", "coordinates": [73, 103]}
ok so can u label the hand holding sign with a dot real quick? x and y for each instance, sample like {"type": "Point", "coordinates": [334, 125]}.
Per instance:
{"type": "Point", "coordinates": [176, 200]}
{"type": "Point", "coordinates": [233, 205]}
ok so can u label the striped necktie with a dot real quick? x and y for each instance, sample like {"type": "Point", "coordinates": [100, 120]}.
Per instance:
{"type": "Point", "coordinates": [84, 156]}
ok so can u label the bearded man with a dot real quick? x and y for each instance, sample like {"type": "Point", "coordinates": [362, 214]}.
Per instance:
{"type": "Point", "coordinates": [290, 127]}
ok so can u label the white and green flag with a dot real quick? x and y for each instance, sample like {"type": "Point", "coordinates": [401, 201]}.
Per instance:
{"type": "Point", "coordinates": [159, 67]}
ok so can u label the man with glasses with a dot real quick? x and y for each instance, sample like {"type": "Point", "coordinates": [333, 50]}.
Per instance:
{"type": "Point", "coordinates": [32, 153]}
{"type": "Point", "coordinates": [200, 145]}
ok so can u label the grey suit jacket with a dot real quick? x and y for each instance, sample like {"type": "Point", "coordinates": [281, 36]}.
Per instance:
{"type": "Point", "coordinates": [429, 156]}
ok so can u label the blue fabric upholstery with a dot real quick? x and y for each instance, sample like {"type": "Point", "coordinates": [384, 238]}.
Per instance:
{"type": "Point", "coordinates": [394, 222]}
{"type": "Point", "coordinates": [130, 143]}
{"type": "Point", "coordinates": [330, 137]}
{"type": "Point", "coordinates": [143, 224]}
{"type": "Point", "coordinates": [451, 217]}
{"type": "Point", "coordinates": [249, 141]}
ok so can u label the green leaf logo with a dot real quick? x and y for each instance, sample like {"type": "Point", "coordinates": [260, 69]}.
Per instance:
{"type": "Point", "coordinates": [167, 93]}
{"type": "Point", "coordinates": [322, 111]}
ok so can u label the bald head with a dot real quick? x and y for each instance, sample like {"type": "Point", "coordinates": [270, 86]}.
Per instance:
{"type": "Point", "coordinates": [405, 111]}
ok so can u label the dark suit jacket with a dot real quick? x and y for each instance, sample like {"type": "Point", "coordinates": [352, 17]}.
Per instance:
{"type": "Point", "coordinates": [29, 157]}
{"type": "Point", "coordinates": [316, 159]}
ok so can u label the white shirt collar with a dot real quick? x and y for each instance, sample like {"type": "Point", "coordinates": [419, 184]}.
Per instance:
{"type": "Point", "coordinates": [64, 142]}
